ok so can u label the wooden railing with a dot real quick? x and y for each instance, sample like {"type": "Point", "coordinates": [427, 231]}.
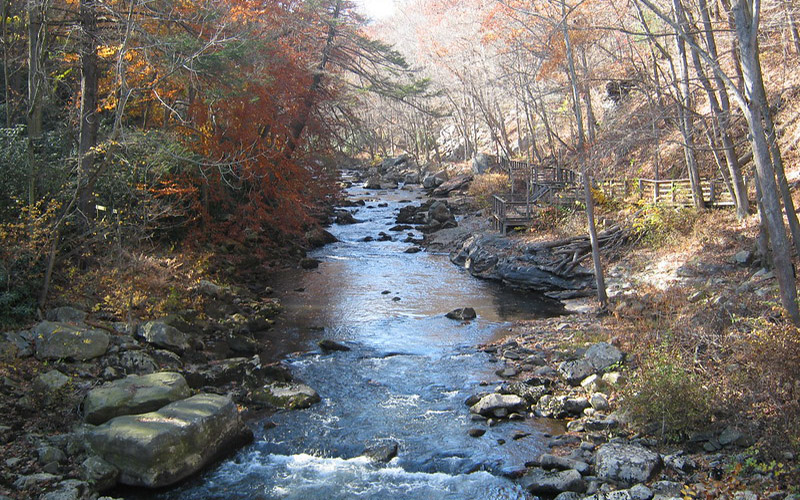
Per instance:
{"type": "Point", "coordinates": [561, 186]}
{"type": "Point", "coordinates": [674, 192]}
{"type": "Point", "coordinates": [538, 173]}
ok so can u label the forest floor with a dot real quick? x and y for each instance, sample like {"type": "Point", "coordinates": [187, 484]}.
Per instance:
{"type": "Point", "coordinates": [686, 305]}
{"type": "Point", "coordinates": [700, 320]}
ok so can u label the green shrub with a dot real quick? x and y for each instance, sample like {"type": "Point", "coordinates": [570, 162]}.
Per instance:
{"type": "Point", "coordinates": [139, 188]}
{"type": "Point", "coordinates": [667, 398]}
{"type": "Point", "coordinates": [23, 248]}
{"type": "Point", "coordinates": [54, 165]}
{"type": "Point", "coordinates": [658, 225]}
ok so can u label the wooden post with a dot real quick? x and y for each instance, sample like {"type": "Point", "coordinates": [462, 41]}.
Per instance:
{"type": "Point", "coordinates": [711, 193]}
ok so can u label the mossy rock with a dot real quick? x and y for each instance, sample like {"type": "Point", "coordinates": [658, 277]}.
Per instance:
{"type": "Point", "coordinates": [134, 394]}
{"type": "Point", "coordinates": [64, 341]}
{"type": "Point", "coordinates": [160, 448]}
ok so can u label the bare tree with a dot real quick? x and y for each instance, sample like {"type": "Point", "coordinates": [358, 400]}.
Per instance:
{"type": "Point", "coordinates": [752, 103]}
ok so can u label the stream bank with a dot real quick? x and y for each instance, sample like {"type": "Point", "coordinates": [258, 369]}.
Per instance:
{"type": "Point", "coordinates": [414, 368]}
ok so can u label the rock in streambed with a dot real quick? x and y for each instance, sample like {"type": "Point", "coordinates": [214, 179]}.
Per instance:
{"type": "Point", "coordinates": [160, 448]}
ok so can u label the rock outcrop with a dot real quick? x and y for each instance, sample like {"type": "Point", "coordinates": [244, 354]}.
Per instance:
{"type": "Point", "coordinates": [55, 340]}
{"type": "Point", "coordinates": [160, 448]}
{"type": "Point", "coordinates": [498, 405]}
{"type": "Point", "coordinates": [458, 183]}
{"type": "Point", "coordinates": [286, 395]}
{"type": "Point", "coordinates": [161, 334]}
{"type": "Point", "coordinates": [134, 394]}
{"type": "Point", "coordinates": [530, 267]}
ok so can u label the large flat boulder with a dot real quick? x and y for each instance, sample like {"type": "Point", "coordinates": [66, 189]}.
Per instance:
{"type": "Point", "coordinates": [160, 448]}
{"type": "Point", "coordinates": [454, 184]}
{"type": "Point", "coordinates": [541, 482]}
{"type": "Point", "coordinates": [527, 267]}
{"type": "Point", "coordinates": [247, 371]}
{"type": "Point", "coordinates": [134, 394]}
{"type": "Point", "coordinates": [53, 340]}
{"type": "Point", "coordinates": [626, 463]}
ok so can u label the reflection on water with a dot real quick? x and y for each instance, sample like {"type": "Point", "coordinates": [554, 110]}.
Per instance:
{"type": "Point", "coordinates": [405, 380]}
{"type": "Point", "coordinates": [376, 286]}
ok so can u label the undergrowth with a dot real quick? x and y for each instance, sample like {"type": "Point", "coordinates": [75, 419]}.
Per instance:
{"type": "Point", "coordinates": [658, 226]}
{"type": "Point", "coordinates": [667, 397]}
{"type": "Point", "coordinates": [484, 186]}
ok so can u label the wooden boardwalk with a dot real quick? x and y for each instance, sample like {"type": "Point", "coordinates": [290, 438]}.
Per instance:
{"type": "Point", "coordinates": [534, 186]}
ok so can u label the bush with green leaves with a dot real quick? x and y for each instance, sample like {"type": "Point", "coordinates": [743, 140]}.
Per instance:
{"type": "Point", "coordinates": [666, 397]}
{"type": "Point", "coordinates": [135, 183]}
{"type": "Point", "coordinates": [23, 248]}
{"type": "Point", "coordinates": [53, 168]}
{"type": "Point", "coordinates": [658, 225]}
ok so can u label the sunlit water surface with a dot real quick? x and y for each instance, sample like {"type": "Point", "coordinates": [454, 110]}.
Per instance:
{"type": "Point", "coordinates": [405, 379]}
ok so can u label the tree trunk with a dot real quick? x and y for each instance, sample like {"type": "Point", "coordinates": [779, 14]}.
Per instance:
{"type": "Point", "coordinates": [777, 162]}
{"type": "Point", "coordinates": [529, 124]}
{"type": "Point", "coordinates": [587, 191]}
{"type": "Point", "coordinates": [87, 140]}
{"type": "Point", "coordinates": [685, 106]}
{"type": "Point", "coordinates": [6, 82]}
{"type": "Point", "coordinates": [722, 113]}
{"type": "Point", "coordinates": [36, 35]}
{"type": "Point", "coordinates": [602, 297]}
{"type": "Point", "coordinates": [573, 79]}
{"type": "Point", "coordinates": [298, 125]}
{"type": "Point", "coordinates": [746, 15]}
{"type": "Point", "coordinates": [787, 8]}
{"type": "Point", "coordinates": [587, 99]}
{"type": "Point", "coordinates": [762, 239]}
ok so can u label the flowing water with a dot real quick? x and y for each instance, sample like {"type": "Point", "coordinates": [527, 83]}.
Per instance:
{"type": "Point", "coordinates": [405, 379]}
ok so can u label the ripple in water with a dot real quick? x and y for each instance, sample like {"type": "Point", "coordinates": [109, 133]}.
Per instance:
{"type": "Point", "coordinates": [308, 477]}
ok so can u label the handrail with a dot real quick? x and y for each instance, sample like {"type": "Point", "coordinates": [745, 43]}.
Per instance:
{"type": "Point", "coordinates": [560, 186]}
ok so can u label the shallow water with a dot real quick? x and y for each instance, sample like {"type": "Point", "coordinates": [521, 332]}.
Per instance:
{"type": "Point", "coordinates": [405, 379]}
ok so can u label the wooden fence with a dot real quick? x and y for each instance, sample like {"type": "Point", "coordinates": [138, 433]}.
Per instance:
{"type": "Point", "coordinates": [533, 185]}
{"type": "Point", "coordinates": [673, 192]}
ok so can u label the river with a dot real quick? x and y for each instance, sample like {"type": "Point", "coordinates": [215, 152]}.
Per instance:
{"type": "Point", "coordinates": [405, 379]}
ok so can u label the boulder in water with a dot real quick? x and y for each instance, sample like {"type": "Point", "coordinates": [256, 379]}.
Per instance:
{"type": "Point", "coordinates": [542, 482]}
{"type": "Point", "coordinates": [495, 404]}
{"type": "Point", "coordinates": [160, 448]}
{"type": "Point", "coordinates": [462, 314]}
{"type": "Point", "coordinates": [286, 395]}
{"type": "Point", "coordinates": [319, 237]}
{"type": "Point", "coordinates": [332, 345]}
{"type": "Point", "coordinates": [373, 183]}
{"type": "Point", "coordinates": [308, 263]}
{"type": "Point", "coordinates": [382, 452]}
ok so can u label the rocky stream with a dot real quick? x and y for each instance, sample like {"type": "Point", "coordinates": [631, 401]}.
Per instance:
{"type": "Point", "coordinates": [383, 391]}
